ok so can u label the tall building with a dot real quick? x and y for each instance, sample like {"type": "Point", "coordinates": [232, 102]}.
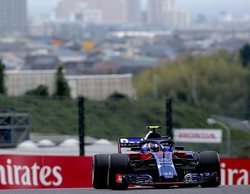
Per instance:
{"type": "Point", "coordinates": [169, 5]}
{"type": "Point", "coordinates": [225, 17]}
{"type": "Point", "coordinates": [100, 11]}
{"type": "Point", "coordinates": [161, 13]}
{"type": "Point", "coordinates": [113, 11]}
{"type": "Point", "coordinates": [183, 19]}
{"type": "Point", "coordinates": [13, 17]}
{"type": "Point", "coordinates": [133, 10]}
{"type": "Point", "coordinates": [154, 11]}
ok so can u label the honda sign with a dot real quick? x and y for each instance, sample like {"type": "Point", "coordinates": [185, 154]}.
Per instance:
{"type": "Point", "coordinates": [198, 135]}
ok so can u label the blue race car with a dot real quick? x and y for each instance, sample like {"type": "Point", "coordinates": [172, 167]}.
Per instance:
{"type": "Point", "coordinates": [154, 161]}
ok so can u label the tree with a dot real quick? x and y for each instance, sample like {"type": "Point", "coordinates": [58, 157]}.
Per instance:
{"type": "Point", "coordinates": [247, 109]}
{"type": "Point", "coordinates": [219, 83]}
{"type": "Point", "coordinates": [62, 87]}
{"type": "Point", "coordinates": [117, 96]}
{"type": "Point", "coordinates": [245, 55]}
{"type": "Point", "coordinates": [245, 59]}
{"type": "Point", "coordinates": [39, 91]}
{"type": "Point", "coordinates": [2, 85]}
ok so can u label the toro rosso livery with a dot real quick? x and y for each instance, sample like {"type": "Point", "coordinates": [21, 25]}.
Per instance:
{"type": "Point", "coordinates": [155, 161]}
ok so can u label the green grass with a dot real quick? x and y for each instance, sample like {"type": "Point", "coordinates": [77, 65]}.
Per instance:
{"type": "Point", "coordinates": [105, 119]}
{"type": "Point", "coordinates": [46, 115]}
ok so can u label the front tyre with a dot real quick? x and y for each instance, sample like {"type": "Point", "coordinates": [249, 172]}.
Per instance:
{"type": "Point", "coordinates": [100, 171]}
{"type": "Point", "coordinates": [118, 166]}
{"type": "Point", "coordinates": [210, 162]}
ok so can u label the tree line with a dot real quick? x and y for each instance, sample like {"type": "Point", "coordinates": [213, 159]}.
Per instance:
{"type": "Point", "coordinates": [219, 82]}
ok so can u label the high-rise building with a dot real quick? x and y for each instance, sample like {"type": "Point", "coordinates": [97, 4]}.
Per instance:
{"type": "Point", "coordinates": [113, 11]}
{"type": "Point", "coordinates": [170, 5]}
{"type": "Point", "coordinates": [225, 17]}
{"type": "Point", "coordinates": [66, 9]}
{"type": "Point", "coordinates": [154, 11]}
{"type": "Point", "coordinates": [183, 19]}
{"type": "Point", "coordinates": [13, 17]}
{"type": "Point", "coordinates": [161, 13]}
{"type": "Point", "coordinates": [133, 10]}
{"type": "Point", "coordinates": [105, 11]}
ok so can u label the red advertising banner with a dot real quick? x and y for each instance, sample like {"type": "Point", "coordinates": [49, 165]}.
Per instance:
{"type": "Point", "coordinates": [30, 172]}
{"type": "Point", "coordinates": [235, 171]}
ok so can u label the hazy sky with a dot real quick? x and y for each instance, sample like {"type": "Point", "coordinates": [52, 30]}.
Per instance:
{"type": "Point", "coordinates": [208, 7]}
{"type": "Point", "coordinates": [213, 7]}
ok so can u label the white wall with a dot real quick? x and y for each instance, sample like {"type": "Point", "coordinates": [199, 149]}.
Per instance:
{"type": "Point", "coordinates": [95, 87]}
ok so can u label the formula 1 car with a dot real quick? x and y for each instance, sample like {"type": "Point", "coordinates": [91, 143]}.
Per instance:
{"type": "Point", "coordinates": [154, 161]}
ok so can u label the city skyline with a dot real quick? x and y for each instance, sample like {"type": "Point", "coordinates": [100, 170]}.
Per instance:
{"type": "Point", "coordinates": [207, 7]}
{"type": "Point", "coordinates": [99, 11]}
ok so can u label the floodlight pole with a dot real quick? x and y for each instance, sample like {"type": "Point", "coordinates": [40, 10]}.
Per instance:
{"type": "Point", "coordinates": [211, 121]}
{"type": "Point", "coordinates": [228, 137]}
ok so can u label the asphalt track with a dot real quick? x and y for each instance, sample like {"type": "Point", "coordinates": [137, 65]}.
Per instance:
{"type": "Point", "coordinates": [196, 190]}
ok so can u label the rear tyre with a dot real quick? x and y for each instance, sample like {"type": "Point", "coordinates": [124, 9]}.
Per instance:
{"type": "Point", "coordinates": [210, 162]}
{"type": "Point", "coordinates": [118, 165]}
{"type": "Point", "coordinates": [100, 171]}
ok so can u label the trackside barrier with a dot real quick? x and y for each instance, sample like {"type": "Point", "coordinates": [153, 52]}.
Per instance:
{"type": "Point", "coordinates": [235, 171]}
{"type": "Point", "coordinates": [32, 172]}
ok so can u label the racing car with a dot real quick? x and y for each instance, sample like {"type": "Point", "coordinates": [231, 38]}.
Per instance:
{"type": "Point", "coordinates": [154, 161]}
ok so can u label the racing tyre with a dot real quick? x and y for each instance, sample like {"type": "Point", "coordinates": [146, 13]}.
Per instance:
{"type": "Point", "coordinates": [210, 162]}
{"type": "Point", "coordinates": [118, 166]}
{"type": "Point", "coordinates": [100, 171]}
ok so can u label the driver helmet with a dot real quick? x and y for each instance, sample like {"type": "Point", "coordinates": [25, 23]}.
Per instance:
{"type": "Point", "coordinates": [153, 147]}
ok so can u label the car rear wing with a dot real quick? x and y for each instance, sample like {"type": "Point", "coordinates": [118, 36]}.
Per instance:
{"type": "Point", "coordinates": [129, 142]}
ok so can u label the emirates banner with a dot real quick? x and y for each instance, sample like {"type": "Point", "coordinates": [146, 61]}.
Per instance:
{"type": "Point", "coordinates": [31, 172]}
{"type": "Point", "coordinates": [235, 171]}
